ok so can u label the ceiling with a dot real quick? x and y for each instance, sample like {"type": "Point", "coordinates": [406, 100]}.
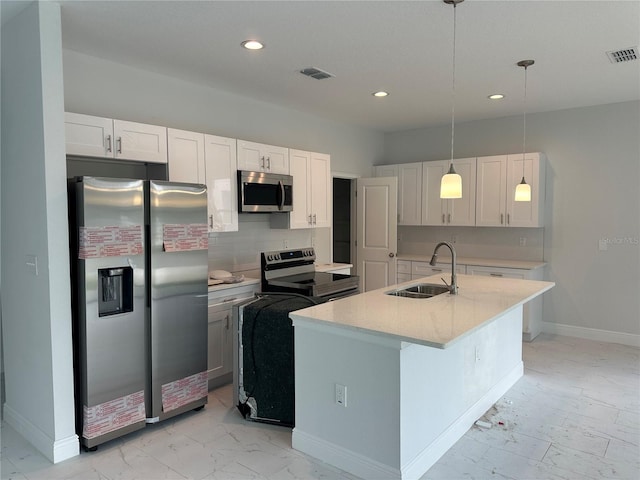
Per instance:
{"type": "Point", "coordinates": [403, 47]}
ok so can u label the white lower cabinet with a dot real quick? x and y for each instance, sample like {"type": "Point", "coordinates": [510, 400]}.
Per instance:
{"type": "Point", "coordinates": [221, 332]}
{"type": "Point", "coordinates": [532, 310]}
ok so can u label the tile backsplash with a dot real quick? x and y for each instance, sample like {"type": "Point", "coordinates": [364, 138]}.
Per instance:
{"type": "Point", "coordinates": [483, 242]}
{"type": "Point", "coordinates": [239, 252]}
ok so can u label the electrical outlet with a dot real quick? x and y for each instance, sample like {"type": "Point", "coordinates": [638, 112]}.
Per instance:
{"type": "Point", "coordinates": [285, 243]}
{"type": "Point", "coordinates": [523, 241]}
{"type": "Point", "coordinates": [477, 354]}
{"type": "Point", "coordinates": [341, 395]}
{"type": "Point", "coordinates": [454, 238]}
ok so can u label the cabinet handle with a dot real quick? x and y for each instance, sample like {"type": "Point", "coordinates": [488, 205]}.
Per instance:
{"type": "Point", "coordinates": [310, 222]}
{"type": "Point", "coordinates": [508, 219]}
{"type": "Point", "coordinates": [262, 162]}
{"type": "Point", "coordinates": [443, 218]}
{"type": "Point", "coordinates": [227, 325]}
{"type": "Point", "coordinates": [436, 270]}
{"type": "Point", "coordinates": [108, 143]}
{"type": "Point", "coordinates": [119, 145]}
{"type": "Point", "coordinates": [314, 219]}
{"type": "Point", "coordinates": [496, 275]}
{"type": "Point", "coordinates": [211, 221]}
{"type": "Point", "coordinates": [268, 163]}
{"type": "Point", "coordinates": [448, 218]}
{"type": "Point", "coordinates": [502, 219]}
{"type": "Point", "coordinates": [227, 300]}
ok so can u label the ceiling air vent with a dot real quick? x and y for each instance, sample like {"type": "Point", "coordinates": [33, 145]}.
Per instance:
{"type": "Point", "coordinates": [316, 73]}
{"type": "Point", "coordinates": [624, 55]}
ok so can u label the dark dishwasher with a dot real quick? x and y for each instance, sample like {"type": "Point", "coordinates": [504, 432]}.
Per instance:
{"type": "Point", "coordinates": [264, 388]}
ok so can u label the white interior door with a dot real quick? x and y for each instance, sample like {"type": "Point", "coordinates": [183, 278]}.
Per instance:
{"type": "Point", "coordinates": [377, 225]}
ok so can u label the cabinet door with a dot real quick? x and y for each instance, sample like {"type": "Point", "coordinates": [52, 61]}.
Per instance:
{"type": "Point", "coordinates": [491, 191]}
{"type": "Point", "coordinates": [462, 211]}
{"type": "Point", "coordinates": [88, 136]}
{"type": "Point", "coordinates": [410, 194]}
{"type": "Point", "coordinates": [433, 207]}
{"type": "Point", "coordinates": [320, 191]}
{"type": "Point", "coordinates": [217, 357]}
{"type": "Point", "coordinates": [139, 141]}
{"type": "Point", "coordinates": [221, 180]}
{"type": "Point", "coordinates": [277, 159]}
{"type": "Point", "coordinates": [185, 156]}
{"type": "Point", "coordinates": [299, 164]}
{"type": "Point", "coordinates": [259, 157]}
{"type": "Point", "coordinates": [525, 214]}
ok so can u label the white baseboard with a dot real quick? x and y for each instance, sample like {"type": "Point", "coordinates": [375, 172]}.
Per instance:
{"type": "Point", "coordinates": [447, 439]}
{"type": "Point", "coordinates": [369, 468]}
{"type": "Point", "coordinates": [596, 334]}
{"type": "Point", "coordinates": [347, 460]}
{"type": "Point", "coordinates": [55, 450]}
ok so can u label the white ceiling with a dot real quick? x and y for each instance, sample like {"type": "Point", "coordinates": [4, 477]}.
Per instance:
{"type": "Point", "coordinates": [404, 47]}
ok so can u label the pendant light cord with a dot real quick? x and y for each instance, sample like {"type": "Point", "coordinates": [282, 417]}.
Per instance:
{"type": "Point", "coordinates": [453, 86]}
{"type": "Point", "coordinates": [524, 120]}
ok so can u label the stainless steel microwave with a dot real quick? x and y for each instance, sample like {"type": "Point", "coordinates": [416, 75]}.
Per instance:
{"type": "Point", "coordinates": [264, 192]}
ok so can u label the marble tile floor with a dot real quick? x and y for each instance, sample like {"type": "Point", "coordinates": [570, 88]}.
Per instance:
{"type": "Point", "coordinates": [574, 415]}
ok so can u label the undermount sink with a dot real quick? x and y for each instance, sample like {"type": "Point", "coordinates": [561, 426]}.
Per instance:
{"type": "Point", "coordinates": [421, 290]}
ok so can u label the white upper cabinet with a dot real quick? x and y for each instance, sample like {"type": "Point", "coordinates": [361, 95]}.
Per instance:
{"type": "Point", "coordinates": [220, 157]}
{"type": "Point", "coordinates": [86, 135]}
{"type": "Point", "coordinates": [452, 212]}
{"type": "Point", "coordinates": [497, 178]}
{"type": "Point", "coordinates": [186, 156]}
{"type": "Point", "coordinates": [526, 214]}
{"type": "Point", "coordinates": [210, 160]}
{"type": "Point", "coordinates": [259, 157]}
{"type": "Point", "coordinates": [409, 190]}
{"type": "Point", "coordinates": [312, 203]}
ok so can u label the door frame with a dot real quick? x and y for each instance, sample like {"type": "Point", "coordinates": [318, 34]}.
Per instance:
{"type": "Point", "coordinates": [352, 247]}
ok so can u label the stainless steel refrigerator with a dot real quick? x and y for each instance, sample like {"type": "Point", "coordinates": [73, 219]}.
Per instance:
{"type": "Point", "coordinates": [139, 274]}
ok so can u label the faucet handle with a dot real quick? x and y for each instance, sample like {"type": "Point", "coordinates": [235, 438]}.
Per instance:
{"type": "Point", "coordinates": [445, 282]}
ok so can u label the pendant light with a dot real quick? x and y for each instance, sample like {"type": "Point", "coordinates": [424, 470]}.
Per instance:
{"type": "Point", "coordinates": [523, 189]}
{"type": "Point", "coordinates": [451, 183]}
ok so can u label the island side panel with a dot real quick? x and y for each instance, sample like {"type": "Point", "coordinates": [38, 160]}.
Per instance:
{"type": "Point", "coordinates": [444, 391]}
{"type": "Point", "coordinates": [363, 437]}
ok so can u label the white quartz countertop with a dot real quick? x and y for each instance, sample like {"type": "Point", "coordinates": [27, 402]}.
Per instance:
{"type": "Point", "coordinates": [329, 267]}
{"type": "Point", "coordinates": [438, 321]}
{"type": "Point", "coordinates": [224, 286]}
{"type": "Point", "coordinates": [478, 262]}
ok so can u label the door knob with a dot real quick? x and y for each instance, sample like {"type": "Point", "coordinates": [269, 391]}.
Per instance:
{"type": "Point", "coordinates": [391, 255]}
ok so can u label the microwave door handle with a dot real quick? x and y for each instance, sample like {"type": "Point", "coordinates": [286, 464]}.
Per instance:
{"type": "Point", "coordinates": [281, 199]}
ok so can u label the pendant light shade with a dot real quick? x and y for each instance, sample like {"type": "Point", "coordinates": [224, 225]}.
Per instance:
{"type": "Point", "coordinates": [523, 189]}
{"type": "Point", "coordinates": [451, 183]}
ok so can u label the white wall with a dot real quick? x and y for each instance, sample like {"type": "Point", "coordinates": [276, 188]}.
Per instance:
{"type": "Point", "coordinates": [36, 316]}
{"type": "Point", "coordinates": [593, 174]}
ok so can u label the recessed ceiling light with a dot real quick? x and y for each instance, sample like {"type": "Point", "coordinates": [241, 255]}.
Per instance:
{"type": "Point", "coordinates": [381, 93]}
{"type": "Point", "coordinates": [252, 45]}
{"type": "Point", "coordinates": [496, 96]}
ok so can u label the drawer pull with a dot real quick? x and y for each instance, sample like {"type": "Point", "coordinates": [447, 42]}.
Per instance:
{"type": "Point", "coordinates": [496, 274]}
{"type": "Point", "coordinates": [226, 300]}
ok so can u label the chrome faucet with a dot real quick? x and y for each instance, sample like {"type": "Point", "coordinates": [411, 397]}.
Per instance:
{"type": "Point", "coordinates": [453, 288]}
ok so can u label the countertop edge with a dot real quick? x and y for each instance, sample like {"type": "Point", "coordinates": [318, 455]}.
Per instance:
{"type": "Point", "coordinates": [476, 262]}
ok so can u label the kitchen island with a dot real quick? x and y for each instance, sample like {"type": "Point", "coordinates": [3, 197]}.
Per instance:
{"type": "Point", "coordinates": [418, 372]}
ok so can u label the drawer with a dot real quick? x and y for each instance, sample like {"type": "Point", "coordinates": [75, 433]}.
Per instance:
{"type": "Point", "coordinates": [424, 269]}
{"type": "Point", "coordinates": [498, 272]}
{"type": "Point", "coordinates": [231, 296]}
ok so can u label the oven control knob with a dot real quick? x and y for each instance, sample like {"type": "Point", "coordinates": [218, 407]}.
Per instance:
{"type": "Point", "coordinates": [269, 257]}
{"type": "Point", "coordinates": [277, 256]}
